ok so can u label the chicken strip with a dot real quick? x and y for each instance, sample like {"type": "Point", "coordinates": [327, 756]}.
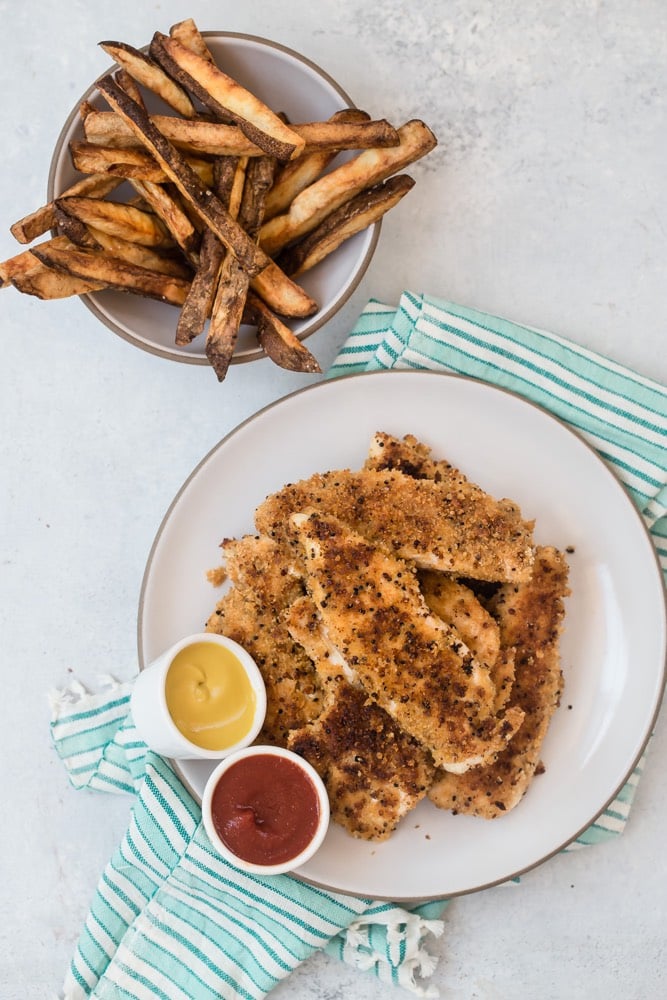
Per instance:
{"type": "Point", "coordinates": [260, 566]}
{"type": "Point", "coordinates": [410, 663]}
{"type": "Point", "coordinates": [374, 772]}
{"type": "Point", "coordinates": [253, 613]}
{"type": "Point", "coordinates": [413, 458]}
{"type": "Point", "coordinates": [417, 519]}
{"type": "Point", "coordinates": [530, 616]}
{"type": "Point", "coordinates": [459, 607]}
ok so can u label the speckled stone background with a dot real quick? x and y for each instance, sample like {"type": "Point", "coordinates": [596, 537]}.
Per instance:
{"type": "Point", "coordinates": [545, 202]}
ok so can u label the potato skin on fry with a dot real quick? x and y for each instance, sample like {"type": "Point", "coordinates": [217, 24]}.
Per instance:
{"type": "Point", "coordinates": [117, 219]}
{"type": "Point", "coordinates": [143, 69]}
{"type": "Point", "coordinates": [31, 226]}
{"type": "Point", "coordinates": [352, 217]}
{"type": "Point", "coordinates": [279, 342]}
{"type": "Point", "coordinates": [115, 273]}
{"type": "Point", "coordinates": [226, 98]}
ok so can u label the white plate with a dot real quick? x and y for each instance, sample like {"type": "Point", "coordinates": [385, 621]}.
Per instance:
{"type": "Point", "coordinates": [288, 82]}
{"type": "Point", "coordinates": [613, 647]}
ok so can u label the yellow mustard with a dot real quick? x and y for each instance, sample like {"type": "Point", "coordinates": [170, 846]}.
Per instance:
{"type": "Point", "coordinates": [209, 696]}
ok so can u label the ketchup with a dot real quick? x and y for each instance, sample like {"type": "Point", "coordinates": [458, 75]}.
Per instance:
{"type": "Point", "coordinates": [265, 809]}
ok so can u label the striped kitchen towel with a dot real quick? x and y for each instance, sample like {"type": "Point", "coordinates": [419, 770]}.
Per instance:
{"type": "Point", "coordinates": [621, 414]}
{"type": "Point", "coordinates": [172, 920]}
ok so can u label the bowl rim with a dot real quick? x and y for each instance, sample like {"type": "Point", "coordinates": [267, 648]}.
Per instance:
{"type": "Point", "coordinates": [171, 354]}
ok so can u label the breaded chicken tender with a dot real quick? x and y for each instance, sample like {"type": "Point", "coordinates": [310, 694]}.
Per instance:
{"type": "Point", "coordinates": [413, 458]}
{"type": "Point", "coordinates": [463, 533]}
{"type": "Point", "coordinates": [409, 662]}
{"type": "Point", "coordinates": [458, 606]}
{"type": "Point", "coordinates": [374, 772]}
{"type": "Point", "coordinates": [253, 613]}
{"type": "Point", "coordinates": [530, 617]}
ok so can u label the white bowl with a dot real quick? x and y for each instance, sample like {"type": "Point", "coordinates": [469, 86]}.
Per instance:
{"type": "Point", "coordinates": [322, 824]}
{"type": "Point", "coordinates": [287, 82]}
{"type": "Point", "coordinates": [151, 715]}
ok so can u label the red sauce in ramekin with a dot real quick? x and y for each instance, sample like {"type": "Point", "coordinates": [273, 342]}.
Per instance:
{"type": "Point", "coordinates": [265, 809]}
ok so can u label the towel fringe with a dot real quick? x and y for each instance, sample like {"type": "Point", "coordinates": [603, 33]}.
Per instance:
{"type": "Point", "coordinates": [406, 955]}
{"type": "Point", "coordinates": [62, 700]}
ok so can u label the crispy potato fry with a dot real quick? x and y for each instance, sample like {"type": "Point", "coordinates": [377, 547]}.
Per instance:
{"type": "Point", "coordinates": [86, 108]}
{"type": "Point", "coordinates": [327, 194]}
{"type": "Point", "coordinates": [123, 163]}
{"type": "Point", "coordinates": [118, 220]}
{"type": "Point", "coordinates": [199, 135]}
{"type": "Point", "coordinates": [130, 161]}
{"type": "Point", "coordinates": [188, 34]}
{"type": "Point", "coordinates": [174, 218]}
{"type": "Point", "coordinates": [198, 304]}
{"type": "Point", "coordinates": [154, 260]}
{"type": "Point", "coordinates": [344, 134]}
{"type": "Point", "coordinates": [282, 294]}
{"type": "Point", "coordinates": [45, 283]}
{"type": "Point", "coordinates": [233, 282]}
{"type": "Point", "coordinates": [236, 194]}
{"type": "Point", "coordinates": [24, 262]}
{"type": "Point", "coordinates": [202, 198]}
{"type": "Point", "coordinates": [227, 98]}
{"type": "Point", "coordinates": [213, 138]}
{"type": "Point", "coordinates": [298, 174]}
{"type": "Point", "coordinates": [37, 223]}
{"type": "Point", "coordinates": [144, 70]}
{"type": "Point", "coordinates": [129, 85]}
{"type": "Point", "coordinates": [113, 272]}
{"type": "Point", "coordinates": [77, 232]}
{"type": "Point", "coordinates": [352, 217]}
{"type": "Point", "coordinates": [226, 315]}
{"type": "Point", "coordinates": [279, 342]}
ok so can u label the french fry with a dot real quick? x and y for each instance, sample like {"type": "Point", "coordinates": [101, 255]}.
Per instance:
{"type": "Point", "coordinates": [130, 161]}
{"type": "Point", "coordinates": [188, 34]}
{"type": "Point", "coordinates": [39, 222]}
{"type": "Point", "coordinates": [134, 253]}
{"type": "Point", "coordinates": [25, 262]}
{"type": "Point", "coordinates": [238, 185]}
{"type": "Point", "coordinates": [205, 203]}
{"type": "Point", "coordinates": [122, 163]}
{"type": "Point", "coordinates": [279, 342]}
{"type": "Point", "coordinates": [77, 232]}
{"type": "Point", "coordinates": [226, 98]}
{"type": "Point", "coordinates": [340, 185]}
{"type": "Point", "coordinates": [351, 218]}
{"type": "Point", "coordinates": [282, 294]}
{"type": "Point", "coordinates": [198, 304]}
{"type": "Point", "coordinates": [86, 108]}
{"type": "Point", "coordinates": [45, 283]}
{"type": "Point", "coordinates": [174, 218]}
{"type": "Point", "coordinates": [125, 221]}
{"type": "Point", "coordinates": [129, 85]}
{"type": "Point", "coordinates": [213, 138]}
{"type": "Point", "coordinates": [113, 272]}
{"type": "Point", "coordinates": [298, 174]}
{"type": "Point", "coordinates": [233, 282]}
{"type": "Point", "coordinates": [144, 70]}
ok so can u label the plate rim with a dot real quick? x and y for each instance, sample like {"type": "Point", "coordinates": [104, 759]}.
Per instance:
{"type": "Point", "coordinates": [255, 354]}
{"type": "Point", "coordinates": [636, 513]}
